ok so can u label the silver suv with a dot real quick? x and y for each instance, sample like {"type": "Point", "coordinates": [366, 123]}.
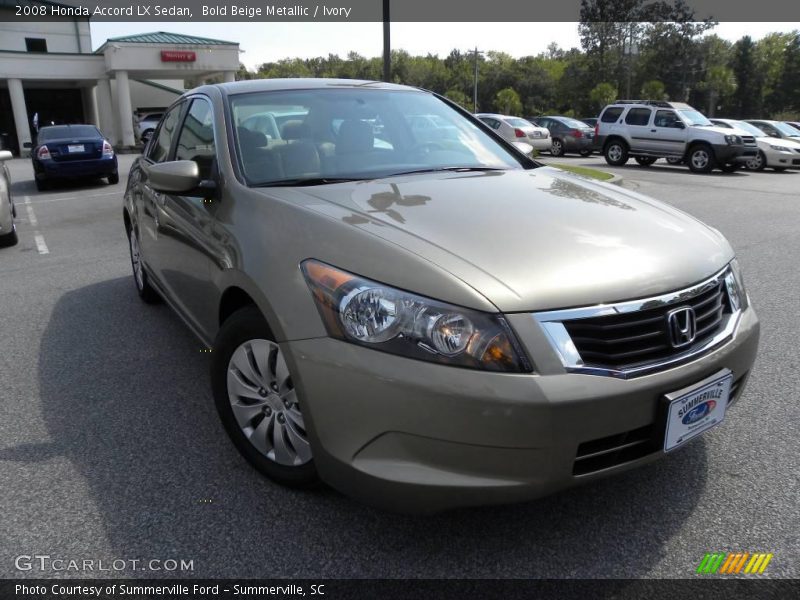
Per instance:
{"type": "Point", "coordinates": [648, 130]}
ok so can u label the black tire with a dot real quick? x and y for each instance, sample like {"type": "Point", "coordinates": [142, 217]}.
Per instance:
{"type": "Point", "coordinates": [701, 158]}
{"type": "Point", "coordinates": [557, 147]}
{"type": "Point", "coordinates": [113, 179]}
{"type": "Point", "coordinates": [41, 184]}
{"type": "Point", "coordinates": [245, 325]}
{"type": "Point", "coordinates": [645, 161]}
{"type": "Point", "coordinates": [674, 161]}
{"type": "Point", "coordinates": [9, 239]}
{"type": "Point", "coordinates": [585, 153]}
{"type": "Point", "coordinates": [616, 153]}
{"type": "Point", "coordinates": [730, 167]}
{"type": "Point", "coordinates": [146, 292]}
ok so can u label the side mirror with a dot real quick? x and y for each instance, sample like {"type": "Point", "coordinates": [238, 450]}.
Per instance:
{"type": "Point", "coordinates": [5, 155]}
{"type": "Point", "coordinates": [176, 177]}
{"type": "Point", "coordinates": [679, 125]}
{"type": "Point", "coordinates": [27, 145]}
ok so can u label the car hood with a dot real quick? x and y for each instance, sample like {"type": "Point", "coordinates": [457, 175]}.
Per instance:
{"type": "Point", "coordinates": [530, 240]}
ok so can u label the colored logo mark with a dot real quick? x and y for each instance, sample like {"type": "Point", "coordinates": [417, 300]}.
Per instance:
{"type": "Point", "coordinates": [734, 563]}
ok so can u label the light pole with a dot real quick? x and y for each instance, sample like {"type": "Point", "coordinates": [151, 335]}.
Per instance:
{"type": "Point", "coordinates": [475, 86]}
{"type": "Point", "coordinates": [387, 47]}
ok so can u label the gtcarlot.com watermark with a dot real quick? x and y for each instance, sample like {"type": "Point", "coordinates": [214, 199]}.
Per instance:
{"type": "Point", "coordinates": [42, 563]}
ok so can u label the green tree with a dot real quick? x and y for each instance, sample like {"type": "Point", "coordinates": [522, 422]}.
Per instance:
{"type": "Point", "coordinates": [459, 98]}
{"type": "Point", "coordinates": [719, 82]}
{"type": "Point", "coordinates": [507, 102]}
{"type": "Point", "coordinates": [601, 95]}
{"type": "Point", "coordinates": [789, 85]}
{"type": "Point", "coordinates": [654, 90]}
{"type": "Point", "coordinates": [748, 97]}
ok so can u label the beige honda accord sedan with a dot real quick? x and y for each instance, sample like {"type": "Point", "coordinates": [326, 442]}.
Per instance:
{"type": "Point", "coordinates": [428, 323]}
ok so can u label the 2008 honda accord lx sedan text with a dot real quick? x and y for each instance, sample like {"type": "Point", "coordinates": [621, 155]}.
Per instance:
{"type": "Point", "coordinates": [428, 324]}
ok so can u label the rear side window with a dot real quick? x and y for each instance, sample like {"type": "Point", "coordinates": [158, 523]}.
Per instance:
{"type": "Point", "coordinates": [159, 147]}
{"type": "Point", "coordinates": [638, 116]}
{"type": "Point", "coordinates": [493, 123]}
{"type": "Point", "coordinates": [611, 114]}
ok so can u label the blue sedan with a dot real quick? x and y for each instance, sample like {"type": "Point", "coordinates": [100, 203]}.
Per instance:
{"type": "Point", "coordinates": [70, 152]}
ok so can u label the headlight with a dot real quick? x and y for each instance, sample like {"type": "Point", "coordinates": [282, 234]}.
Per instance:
{"type": "Point", "coordinates": [736, 289]}
{"type": "Point", "coordinates": [733, 140]}
{"type": "Point", "coordinates": [378, 316]}
{"type": "Point", "coordinates": [780, 148]}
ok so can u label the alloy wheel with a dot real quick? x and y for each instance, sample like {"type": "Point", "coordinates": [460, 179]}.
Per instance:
{"type": "Point", "coordinates": [136, 260]}
{"type": "Point", "coordinates": [700, 158]}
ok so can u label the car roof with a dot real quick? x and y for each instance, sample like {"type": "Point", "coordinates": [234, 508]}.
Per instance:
{"type": "Point", "coordinates": [67, 125]}
{"type": "Point", "coordinates": [271, 85]}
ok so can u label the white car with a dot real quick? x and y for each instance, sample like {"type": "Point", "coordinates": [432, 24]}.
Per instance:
{"type": "Point", "coordinates": [147, 124]}
{"type": "Point", "coordinates": [778, 154]}
{"type": "Point", "coordinates": [516, 129]}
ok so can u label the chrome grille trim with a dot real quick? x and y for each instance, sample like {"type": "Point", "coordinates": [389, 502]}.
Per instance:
{"type": "Point", "coordinates": [552, 322]}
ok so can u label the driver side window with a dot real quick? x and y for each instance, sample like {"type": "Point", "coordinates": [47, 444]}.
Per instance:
{"type": "Point", "coordinates": [196, 137]}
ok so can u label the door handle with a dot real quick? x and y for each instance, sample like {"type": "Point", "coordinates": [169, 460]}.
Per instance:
{"type": "Point", "coordinates": [653, 131]}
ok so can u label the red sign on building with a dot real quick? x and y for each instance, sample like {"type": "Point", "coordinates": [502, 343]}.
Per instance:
{"type": "Point", "coordinates": [178, 56]}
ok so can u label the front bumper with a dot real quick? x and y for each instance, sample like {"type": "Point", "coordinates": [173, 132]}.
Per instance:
{"type": "Point", "coordinates": [413, 436]}
{"type": "Point", "coordinates": [734, 154]}
{"type": "Point", "coordinates": [73, 169]}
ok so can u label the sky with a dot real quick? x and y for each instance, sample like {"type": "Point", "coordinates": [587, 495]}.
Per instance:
{"type": "Point", "coordinates": [267, 42]}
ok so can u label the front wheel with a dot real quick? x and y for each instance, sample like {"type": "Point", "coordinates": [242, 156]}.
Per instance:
{"type": "Point", "coordinates": [585, 153]}
{"type": "Point", "coordinates": [757, 163]}
{"type": "Point", "coordinates": [557, 147]}
{"type": "Point", "coordinates": [616, 153]}
{"type": "Point", "coordinates": [113, 179]}
{"type": "Point", "coordinates": [701, 159]}
{"type": "Point", "coordinates": [645, 161]}
{"type": "Point", "coordinates": [674, 161]}
{"type": "Point", "coordinates": [140, 278]}
{"type": "Point", "coordinates": [10, 238]}
{"type": "Point", "coordinates": [257, 400]}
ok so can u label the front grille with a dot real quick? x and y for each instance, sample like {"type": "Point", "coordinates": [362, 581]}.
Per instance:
{"type": "Point", "coordinates": [614, 450]}
{"type": "Point", "coordinates": [749, 140]}
{"type": "Point", "coordinates": [628, 340]}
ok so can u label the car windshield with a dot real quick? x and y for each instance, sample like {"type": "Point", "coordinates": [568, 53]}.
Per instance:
{"type": "Point", "coordinates": [325, 135]}
{"type": "Point", "coordinates": [785, 129]}
{"type": "Point", "coordinates": [751, 129]}
{"type": "Point", "coordinates": [67, 131]}
{"type": "Point", "coordinates": [515, 122]}
{"type": "Point", "coordinates": [693, 117]}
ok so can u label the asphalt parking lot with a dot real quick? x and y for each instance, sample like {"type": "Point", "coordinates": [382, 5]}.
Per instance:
{"type": "Point", "coordinates": [110, 447]}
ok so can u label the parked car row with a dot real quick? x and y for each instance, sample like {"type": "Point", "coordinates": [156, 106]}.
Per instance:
{"type": "Point", "coordinates": [648, 130]}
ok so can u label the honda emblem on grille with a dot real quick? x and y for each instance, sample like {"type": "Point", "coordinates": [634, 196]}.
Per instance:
{"type": "Point", "coordinates": [681, 326]}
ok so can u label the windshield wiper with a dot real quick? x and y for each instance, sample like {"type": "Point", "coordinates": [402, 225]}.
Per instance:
{"type": "Point", "coordinates": [308, 181]}
{"type": "Point", "coordinates": [445, 169]}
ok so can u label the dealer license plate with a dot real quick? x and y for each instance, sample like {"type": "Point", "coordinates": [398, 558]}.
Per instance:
{"type": "Point", "coordinates": [696, 409]}
{"type": "Point", "coordinates": [75, 148]}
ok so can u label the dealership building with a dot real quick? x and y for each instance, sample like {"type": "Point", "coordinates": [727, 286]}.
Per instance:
{"type": "Point", "coordinates": [50, 74]}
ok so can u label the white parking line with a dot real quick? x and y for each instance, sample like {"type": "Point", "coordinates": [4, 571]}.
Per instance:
{"type": "Point", "coordinates": [60, 199]}
{"type": "Point", "coordinates": [41, 246]}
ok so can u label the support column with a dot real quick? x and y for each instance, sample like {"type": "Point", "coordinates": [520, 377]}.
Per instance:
{"type": "Point", "coordinates": [105, 111]}
{"type": "Point", "coordinates": [89, 106]}
{"type": "Point", "coordinates": [229, 76]}
{"type": "Point", "coordinates": [125, 113]}
{"type": "Point", "coordinates": [20, 114]}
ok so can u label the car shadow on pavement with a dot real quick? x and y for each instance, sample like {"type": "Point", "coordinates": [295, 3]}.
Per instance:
{"type": "Point", "coordinates": [126, 399]}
